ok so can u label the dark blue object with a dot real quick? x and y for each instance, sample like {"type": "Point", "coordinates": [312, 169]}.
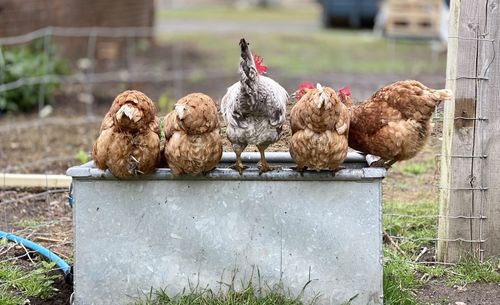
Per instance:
{"type": "Point", "coordinates": [352, 13]}
{"type": "Point", "coordinates": [63, 266]}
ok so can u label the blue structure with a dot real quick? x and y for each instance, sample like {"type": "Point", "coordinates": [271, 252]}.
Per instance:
{"type": "Point", "coordinates": [352, 13]}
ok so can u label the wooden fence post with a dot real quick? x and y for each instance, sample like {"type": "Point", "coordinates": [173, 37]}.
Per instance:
{"type": "Point", "coordinates": [469, 219]}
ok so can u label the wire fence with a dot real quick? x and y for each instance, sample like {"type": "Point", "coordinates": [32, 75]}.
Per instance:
{"type": "Point", "coordinates": [48, 144]}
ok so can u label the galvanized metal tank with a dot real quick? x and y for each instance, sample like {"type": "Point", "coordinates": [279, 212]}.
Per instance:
{"type": "Point", "coordinates": [163, 232]}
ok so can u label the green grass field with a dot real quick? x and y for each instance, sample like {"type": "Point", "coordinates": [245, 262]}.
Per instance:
{"type": "Point", "coordinates": [309, 12]}
{"type": "Point", "coordinates": [318, 52]}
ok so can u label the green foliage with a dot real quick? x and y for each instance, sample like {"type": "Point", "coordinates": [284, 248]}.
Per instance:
{"type": "Point", "coordinates": [82, 156]}
{"type": "Point", "coordinates": [22, 62]}
{"type": "Point", "coordinates": [166, 102]}
{"type": "Point", "coordinates": [17, 284]}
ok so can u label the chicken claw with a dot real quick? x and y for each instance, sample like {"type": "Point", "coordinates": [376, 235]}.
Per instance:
{"type": "Point", "coordinates": [383, 163]}
{"type": "Point", "coordinates": [265, 167]}
{"type": "Point", "coordinates": [336, 170]}
{"type": "Point", "coordinates": [299, 169]}
{"type": "Point", "coordinates": [238, 166]}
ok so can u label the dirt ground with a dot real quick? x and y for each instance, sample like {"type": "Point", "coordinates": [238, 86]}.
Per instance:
{"type": "Point", "coordinates": [438, 293]}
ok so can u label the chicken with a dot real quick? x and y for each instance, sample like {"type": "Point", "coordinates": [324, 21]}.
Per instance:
{"type": "Point", "coordinates": [254, 109]}
{"type": "Point", "coordinates": [320, 127]}
{"type": "Point", "coordinates": [129, 141]}
{"type": "Point", "coordinates": [193, 143]}
{"type": "Point", "coordinates": [395, 123]}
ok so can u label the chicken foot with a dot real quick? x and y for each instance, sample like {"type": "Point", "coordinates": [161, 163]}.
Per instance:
{"type": "Point", "coordinates": [263, 165]}
{"type": "Point", "coordinates": [383, 163]}
{"type": "Point", "coordinates": [238, 166]}
{"type": "Point", "coordinates": [337, 169]}
{"type": "Point", "coordinates": [133, 166]}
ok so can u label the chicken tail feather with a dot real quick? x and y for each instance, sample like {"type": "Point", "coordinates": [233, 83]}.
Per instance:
{"type": "Point", "coordinates": [247, 64]}
{"type": "Point", "coordinates": [441, 95]}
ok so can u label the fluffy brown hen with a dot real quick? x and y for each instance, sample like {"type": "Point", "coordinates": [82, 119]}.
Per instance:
{"type": "Point", "coordinates": [193, 143]}
{"type": "Point", "coordinates": [320, 127]}
{"type": "Point", "coordinates": [395, 122]}
{"type": "Point", "coordinates": [129, 141]}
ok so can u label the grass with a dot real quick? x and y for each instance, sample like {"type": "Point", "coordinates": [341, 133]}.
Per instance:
{"type": "Point", "coordinates": [29, 223]}
{"type": "Point", "coordinates": [416, 169]}
{"type": "Point", "coordinates": [321, 51]}
{"type": "Point", "coordinates": [16, 285]}
{"type": "Point", "coordinates": [399, 280]}
{"type": "Point", "coordinates": [250, 14]}
{"type": "Point", "coordinates": [471, 270]}
{"type": "Point", "coordinates": [249, 295]}
{"type": "Point", "coordinates": [417, 226]}
{"type": "Point", "coordinates": [414, 222]}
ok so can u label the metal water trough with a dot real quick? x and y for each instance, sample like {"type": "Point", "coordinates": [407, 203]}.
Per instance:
{"type": "Point", "coordinates": [163, 232]}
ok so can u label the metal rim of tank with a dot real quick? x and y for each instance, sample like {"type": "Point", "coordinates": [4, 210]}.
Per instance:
{"type": "Point", "coordinates": [355, 169]}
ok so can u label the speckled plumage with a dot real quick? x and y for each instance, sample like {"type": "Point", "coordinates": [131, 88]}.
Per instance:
{"type": "Point", "coordinates": [254, 108]}
{"type": "Point", "coordinates": [395, 122]}
{"type": "Point", "coordinates": [320, 126]}
{"type": "Point", "coordinates": [128, 146]}
{"type": "Point", "coordinates": [193, 143]}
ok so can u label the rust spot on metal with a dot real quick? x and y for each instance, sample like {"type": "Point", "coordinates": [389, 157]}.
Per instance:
{"type": "Point", "coordinates": [465, 108]}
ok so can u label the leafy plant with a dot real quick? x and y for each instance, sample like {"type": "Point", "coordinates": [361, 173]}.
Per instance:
{"type": "Point", "coordinates": [26, 62]}
{"type": "Point", "coordinates": [82, 156]}
{"type": "Point", "coordinates": [35, 283]}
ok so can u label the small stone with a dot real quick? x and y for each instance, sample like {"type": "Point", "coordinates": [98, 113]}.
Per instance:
{"type": "Point", "coordinates": [460, 303]}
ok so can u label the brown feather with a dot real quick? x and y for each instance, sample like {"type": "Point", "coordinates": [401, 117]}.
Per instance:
{"type": "Point", "coordinates": [319, 139]}
{"type": "Point", "coordinates": [130, 147]}
{"type": "Point", "coordinates": [395, 122]}
{"type": "Point", "coordinates": [192, 133]}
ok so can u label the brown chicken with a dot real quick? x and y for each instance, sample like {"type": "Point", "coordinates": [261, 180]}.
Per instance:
{"type": "Point", "coordinates": [129, 141]}
{"type": "Point", "coordinates": [395, 123]}
{"type": "Point", "coordinates": [320, 126]}
{"type": "Point", "coordinates": [193, 143]}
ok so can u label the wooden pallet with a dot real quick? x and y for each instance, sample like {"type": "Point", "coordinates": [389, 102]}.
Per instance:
{"type": "Point", "coordinates": [413, 18]}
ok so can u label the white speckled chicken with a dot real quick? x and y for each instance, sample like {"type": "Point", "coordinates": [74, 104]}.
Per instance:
{"type": "Point", "coordinates": [129, 142]}
{"type": "Point", "coordinates": [254, 109]}
{"type": "Point", "coordinates": [320, 127]}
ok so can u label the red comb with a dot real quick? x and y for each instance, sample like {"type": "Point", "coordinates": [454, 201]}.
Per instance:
{"type": "Point", "coordinates": [305, 85]}
{"type": "Point", "coordinates": [345, 91]}
{"type": "Point", "coordinates": [259, 64]}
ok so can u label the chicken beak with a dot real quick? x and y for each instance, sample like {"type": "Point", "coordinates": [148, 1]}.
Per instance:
{"type": "Point", "coordinates": [129, 112]}
{"type": "Point", "coordinates": [180, 111]}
